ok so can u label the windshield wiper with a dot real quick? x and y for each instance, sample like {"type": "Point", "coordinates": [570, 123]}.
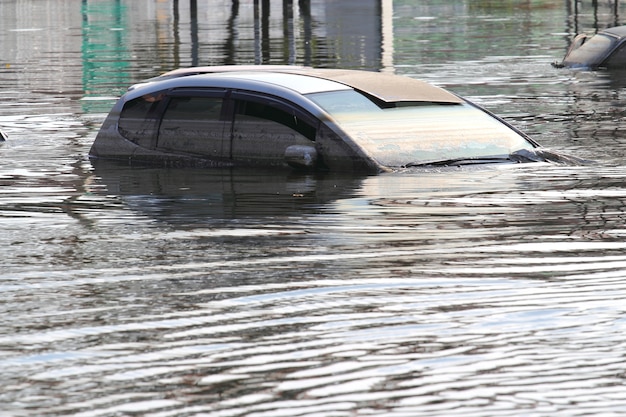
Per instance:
{"type": "Point", "coordinates": [517, 157]}
{"type": "Point", "coordinates": [462, 161]}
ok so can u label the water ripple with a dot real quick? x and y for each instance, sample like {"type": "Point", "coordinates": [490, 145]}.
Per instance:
{"type": "Point", "coordinates": [157, 292]}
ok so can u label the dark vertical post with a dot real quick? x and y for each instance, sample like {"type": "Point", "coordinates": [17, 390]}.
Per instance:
{"type": "Point", "coordinates": [305, 12]}
{"type": "Point", "coordinates": [288, 35]}
{"type": "Point", "coordinates": [193, 10]}
{"type": "Point", "coordinates": [265, 30]}
{"type": "Point", "coordinates": [232, 33]}
{"type": "Point", "coordinates": [176, 29]}
{"type": "Point", "coordinates": [257, 34]}
{"type": "Point", "coordinates": [575, 16]}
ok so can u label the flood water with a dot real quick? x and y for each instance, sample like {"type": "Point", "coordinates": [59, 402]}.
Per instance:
{"type": "Point", "coordinates": [133, 291]}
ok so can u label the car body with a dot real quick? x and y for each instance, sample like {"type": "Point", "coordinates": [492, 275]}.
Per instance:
{"type": "Point", "coordinates": [303, 118]}
{"type": "Point", "coordinates": [604, 50]}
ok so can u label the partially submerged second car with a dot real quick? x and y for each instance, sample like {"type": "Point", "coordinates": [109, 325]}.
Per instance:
{"type": "Point", "coordinates": [304, 118]}
{"type": "Point", "coordinates": [604, 50]}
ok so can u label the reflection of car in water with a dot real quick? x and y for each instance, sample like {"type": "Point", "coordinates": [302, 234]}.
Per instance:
{"type": "Point", "coordinates": [604, 50]}
{"type": "Point", "coordinates": [304, 118]}
{"type": "Point", "coordinates": [190, 195]}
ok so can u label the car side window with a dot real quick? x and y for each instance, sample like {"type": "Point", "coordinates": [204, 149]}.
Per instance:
{"type": "Point", "coordinates": [139, 117]}
{"type": "Point", "coordinates": [193, 108]}
{"type": "Point", "coordinates": [617, 58]}
{"type": "Point", "coordinates": [278, 115]}
{"type": "Point", "coordinates": [264, 128]}
{"type": "Point", "coordinates": [193, 124]}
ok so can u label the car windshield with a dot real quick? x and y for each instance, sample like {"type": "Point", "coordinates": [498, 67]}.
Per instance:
{"type": "Point", "coordinates": [591, 52]}
{"type": "Point", "coordinates": [420, 132]}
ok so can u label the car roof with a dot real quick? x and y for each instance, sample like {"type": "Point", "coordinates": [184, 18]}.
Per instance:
{"type": "Point", "coordinates": [388, 88]}
{"type": "Point", "coordinates": [619, 31]}
{"type": "Point", "coordinates": [298, 83]}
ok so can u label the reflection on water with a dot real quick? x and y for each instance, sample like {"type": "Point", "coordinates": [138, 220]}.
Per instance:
{"type": "Point", "coordinates": [143, 291]}
{"type": "Point", "coordinates": [398, 294]}
{"type": "Point", "coordinates": [173, 195]}
{"type": "Point", "coordinates": [106, 57]}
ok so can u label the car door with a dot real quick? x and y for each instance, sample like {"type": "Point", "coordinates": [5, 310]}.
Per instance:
{"type": "Point", "coordinates": [194, 123]}
{"type": "Point", "coordinates": [264, 127]}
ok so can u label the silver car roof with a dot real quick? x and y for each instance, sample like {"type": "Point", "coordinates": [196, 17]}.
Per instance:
{"type": "Point", "coordinates": [295, 82]}
{"type": "Point", "coordinates": [618, 31]}
{"type": "Point", "coordinates": [385, 87]}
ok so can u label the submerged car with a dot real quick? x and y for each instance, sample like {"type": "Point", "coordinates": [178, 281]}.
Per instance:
{"type": "Point", "coordinates": [604, 50]}
{"type": "Point", "coordinates": [304, 118]}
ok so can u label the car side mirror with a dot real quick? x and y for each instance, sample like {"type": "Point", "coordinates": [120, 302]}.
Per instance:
{"type": "Point", "coordinates": [301, 156]}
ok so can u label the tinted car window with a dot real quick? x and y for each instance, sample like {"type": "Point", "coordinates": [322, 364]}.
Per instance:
{"type": "Point", "coordinates": [138, 119]}
{"type": "Point", "coordinates": [193, 125]}
{"type": "Point", "coordinates": [275, 114]}
{"type": "Point", "coordinates": [262, 130]}
{"type": "Point", "coordinates": [617, 58]}
{"type": "Point", "coordinates": [420, 132]}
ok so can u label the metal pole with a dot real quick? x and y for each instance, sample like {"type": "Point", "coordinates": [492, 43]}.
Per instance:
{"type": "Point", "coordinates": [305, 12]}
{"type": "Point", "coordinates": [257, 34]}
{"type": "Point", "coordinates": [288, 31]}
{"type": "Point", "coordinates": [176, 29]}
{"type": "Point", "coordinates": [265, 30]}
{"type": "Point", "coordinates": [193, 9]}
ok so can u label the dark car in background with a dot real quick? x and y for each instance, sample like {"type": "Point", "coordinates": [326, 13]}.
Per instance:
{"type": "Point", "coordinates": [603, 50]}
{"type": "Point", "coordinates": [304, 118]}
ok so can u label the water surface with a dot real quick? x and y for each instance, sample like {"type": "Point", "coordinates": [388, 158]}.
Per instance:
{"type": "Point", "coordinates": [147, 291]}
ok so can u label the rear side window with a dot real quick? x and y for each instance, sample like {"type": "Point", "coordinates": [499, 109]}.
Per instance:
{"type": "Point", "coordinates": [138, 119]}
